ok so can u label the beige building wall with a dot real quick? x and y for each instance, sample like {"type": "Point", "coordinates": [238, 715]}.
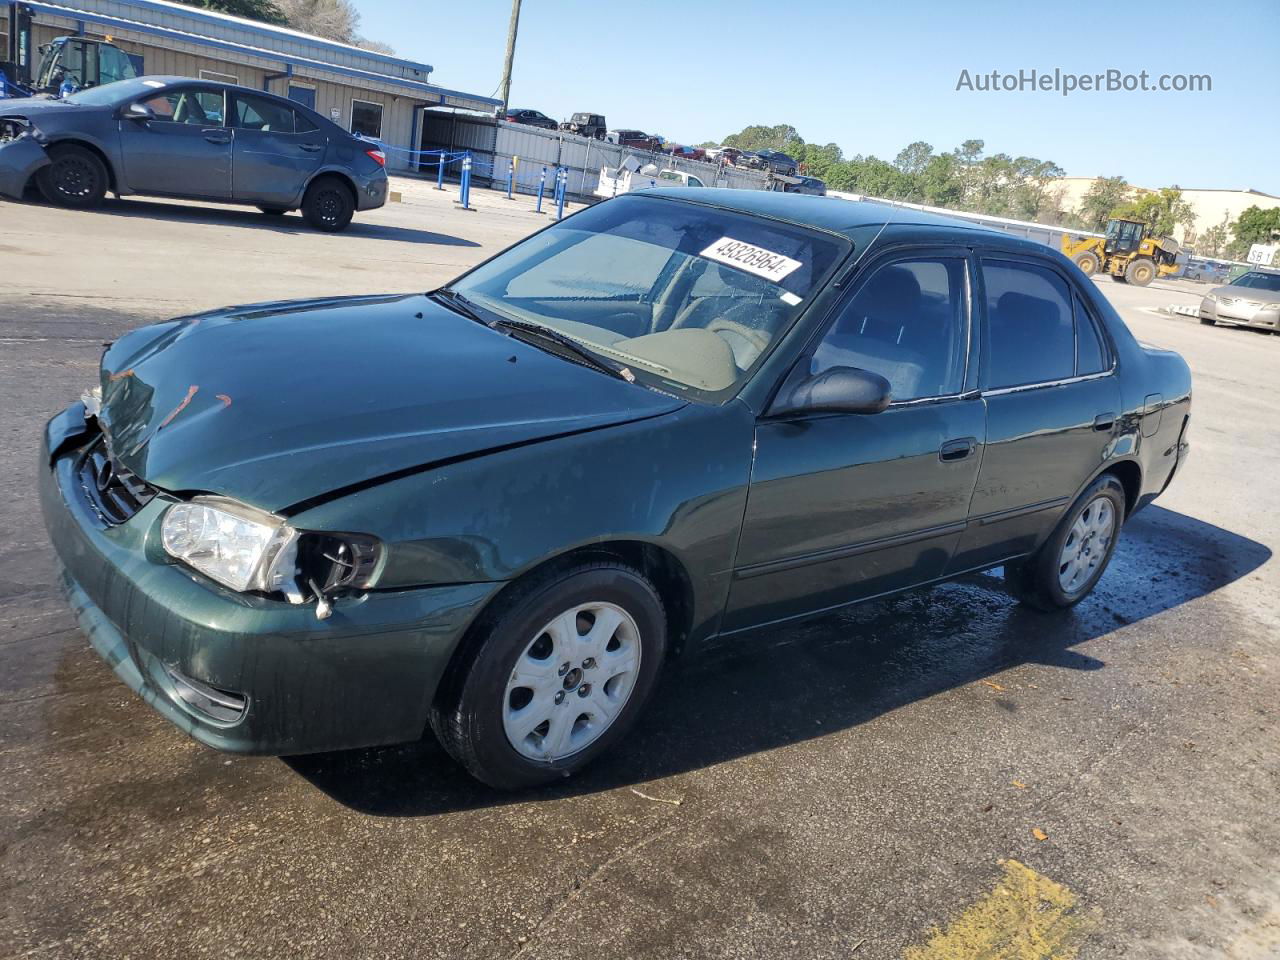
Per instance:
{"type": "Point", "coordinates": [1209, 206]}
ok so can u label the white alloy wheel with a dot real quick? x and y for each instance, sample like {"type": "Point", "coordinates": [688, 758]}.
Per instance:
{"type": "Point", "coordinates": [571, 680]}
{"type": "Point", "coordinates": [1086, 545]}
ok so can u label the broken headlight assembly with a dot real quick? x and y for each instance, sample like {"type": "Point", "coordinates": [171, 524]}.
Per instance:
{"type": "Point", "coordinates": [11, 128]}
{"type": "Point", "coordinates": [252, 551]}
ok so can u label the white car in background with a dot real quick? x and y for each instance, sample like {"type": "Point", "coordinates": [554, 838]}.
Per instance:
{"type": "Point", "coordinates": [624, 179]}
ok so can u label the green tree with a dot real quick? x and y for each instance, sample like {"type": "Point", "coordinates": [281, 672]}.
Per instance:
{"type": "Point", "coordinates": [1100, 199]}
{"type": "Point", "coordinates": [914, 158]}
{"type": "Point", "coordinates": [1163, 210]}
{"type": "Point", "coordinates": [939, 184]}
{"type": "Point", "coordinates": [1213, 242]}
{"type": "Point", "coordinates": [264, 11]}
{"type": "Point", "coordinates": [1256, 225]}
{"type": "Point", "coordinates": [781, 137]}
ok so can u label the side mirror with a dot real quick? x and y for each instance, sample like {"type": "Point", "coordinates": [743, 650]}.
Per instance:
{"type": "Point", "coordinates": [138, 111]}
{"type": "Point", "coordinates": [836, 390]}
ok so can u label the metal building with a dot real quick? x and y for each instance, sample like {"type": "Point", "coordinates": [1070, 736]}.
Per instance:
{"type": "Point", "coordinates": [369, 93]}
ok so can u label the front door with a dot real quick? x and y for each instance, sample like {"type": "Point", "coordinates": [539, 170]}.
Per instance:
{"type": "Point", "coordinates": [1052, 407]}
{"type": "Point", "coordinates": [277, 149]}
{"type": "Point", "coordinates": [185, 151]}
{"type": "Point", "coordinates": [847, 506]}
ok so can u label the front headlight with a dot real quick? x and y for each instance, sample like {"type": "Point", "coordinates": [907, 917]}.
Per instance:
{"type": "Point", "coordinates": [239, 547]}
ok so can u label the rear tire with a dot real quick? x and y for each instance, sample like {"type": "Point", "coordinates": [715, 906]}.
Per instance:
{"type": "Point", "coordinates": [1088, 263]}
{"type": "Point", "coordinates": [74, 178]}
{"type": "Point", "coordinates": [328, 204]}
{"type": "Point", "coordinates": [536, 651]}
{"type": "Point", "coordinates": [1069, 564]}
{"type": "Point", "coordinates": [1140, 272]}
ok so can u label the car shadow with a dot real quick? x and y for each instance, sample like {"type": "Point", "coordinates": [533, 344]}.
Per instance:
{"type": "Point", "coordinates": [795, 683]}
{"type": "Point", "coordinates": [290, 223]}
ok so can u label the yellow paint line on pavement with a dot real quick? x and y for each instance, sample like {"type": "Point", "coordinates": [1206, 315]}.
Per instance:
{"type": "Point", "coordinates": [1026, 916]}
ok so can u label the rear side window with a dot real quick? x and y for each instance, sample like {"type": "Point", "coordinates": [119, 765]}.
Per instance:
{"type": "Point", "coordinates": [259, 113]}
{"type": "Point", "coordinates": [1091, 352]}
{"type": "Point", "coordinates": [303, 124]}
{"type": "Point", "coordinates": [906, 323]}
{"type": "Point", "coordinates": [1030, 325]}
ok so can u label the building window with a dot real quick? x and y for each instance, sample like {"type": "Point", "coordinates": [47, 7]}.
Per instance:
{"type": "Point", "coordinates": [366, 119]}
{"type": "Point", "coordinates": [305, 95]}
{"type": "Point", "coordinates": [217, 77]}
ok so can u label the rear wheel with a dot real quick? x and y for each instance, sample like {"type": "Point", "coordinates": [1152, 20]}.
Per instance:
{"type": "Point", "coordinates": [555, 675]}
{"type": "Point", "coordinates": [75, 177]}
{"type": "Point", "coordinates": [328, 204]}
{"type": "Point", "coordinates": [1088, 263]}
{"type": "Point", "coordinates": [1068, 565]}
{"type": "Point", "coordinates": [1140, 272]}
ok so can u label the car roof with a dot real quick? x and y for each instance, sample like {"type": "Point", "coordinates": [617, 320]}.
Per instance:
{"type": "Point", "coordinates": [833, 214]}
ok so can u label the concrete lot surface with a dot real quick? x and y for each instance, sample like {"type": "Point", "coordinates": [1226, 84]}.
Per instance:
{"type": "Point", "coordinates": [944, 774]}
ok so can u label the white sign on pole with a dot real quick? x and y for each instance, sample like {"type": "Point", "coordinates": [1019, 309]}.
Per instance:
{"type": "Point", "coordinates": [335, 114]}
{"type": "Point", "coordinates": [1263, 254]}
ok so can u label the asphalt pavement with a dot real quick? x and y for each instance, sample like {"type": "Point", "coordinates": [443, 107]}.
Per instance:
{"type": "Point", "coordinates": [936, 775]}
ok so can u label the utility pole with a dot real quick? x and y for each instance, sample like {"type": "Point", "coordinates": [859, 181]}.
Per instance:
{"type": "Point", "coordinates": [511, 55]}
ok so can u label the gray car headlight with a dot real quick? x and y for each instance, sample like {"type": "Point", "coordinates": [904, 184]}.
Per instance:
{"type": "Point", "coordinates": [239, 547]}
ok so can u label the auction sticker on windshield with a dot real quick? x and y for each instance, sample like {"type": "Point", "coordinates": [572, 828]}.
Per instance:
{"type": "Point", "coordinates": [757, 260]}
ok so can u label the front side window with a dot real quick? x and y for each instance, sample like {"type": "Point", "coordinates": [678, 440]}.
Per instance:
{"type": "Point", "coordinates": [259, 113]}
{"type": "Point", "coordinates": [690, 298]}
{"type": "Point", "coordinates": [906, 323]}
{"type": "Point", "coordinates": [366, 119]}
{"type": "Point", "coordinates": [1030, 325]}
{"type": "Point", "coordinates": [198, 107]}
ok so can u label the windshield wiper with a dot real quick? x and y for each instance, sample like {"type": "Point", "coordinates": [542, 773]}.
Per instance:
{"type": "Point", "coordinates": [459, 303]}
{"type": "Point", "coordinates": [527, 331]}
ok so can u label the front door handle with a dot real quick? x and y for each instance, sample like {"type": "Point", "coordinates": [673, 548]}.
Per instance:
{"type": "Point", "coordinates": [311, 147]}
{"type": "Point", "coordinates": [1104, 422]}
{"type": "Point", "coordinates": [217, 136]}
{"type": "Point", "coordinates": [955, 450]}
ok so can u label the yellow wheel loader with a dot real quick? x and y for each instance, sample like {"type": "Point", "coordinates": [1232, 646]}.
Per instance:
{"type": "Point", "coordinates": [1129, 253]}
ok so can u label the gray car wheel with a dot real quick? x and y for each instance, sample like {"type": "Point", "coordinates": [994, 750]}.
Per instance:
{"type": "Point", "coordinates": [328, 204]}
{"type": "Point", "coordinates": [75, 177]}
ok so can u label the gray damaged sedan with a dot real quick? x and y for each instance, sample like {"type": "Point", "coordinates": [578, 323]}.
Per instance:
{"type": "Point", "coordinates": [193, 139]}
{"type": "Point", "coordinates": [1250, 300]}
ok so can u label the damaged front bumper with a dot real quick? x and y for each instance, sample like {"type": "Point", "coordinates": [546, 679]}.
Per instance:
{"type": "Point", "coordinates": [21, 155]}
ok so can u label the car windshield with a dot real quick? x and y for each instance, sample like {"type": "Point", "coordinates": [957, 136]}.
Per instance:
{"type": "Point", "coordinates": [1259, 281]}
{"type": "Point", "coordinates": [689, 297]}
{"type": "Point", "coordinates": [112, 93]}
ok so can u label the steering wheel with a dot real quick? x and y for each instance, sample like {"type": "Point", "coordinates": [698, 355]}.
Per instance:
{"type": "Point", "coordinates": [746, 340]}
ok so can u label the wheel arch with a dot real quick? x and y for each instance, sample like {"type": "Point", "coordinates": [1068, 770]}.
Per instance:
{"type": "Point", "coordinates": [1129, 473]}
{"type": "Point", "coordinates": [333, 173]}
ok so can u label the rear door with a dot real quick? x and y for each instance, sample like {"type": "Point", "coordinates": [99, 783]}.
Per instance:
{"type": "Point", "coordinates": [185, 151]}
{"type": "Point", "coordinates": [1053, 404]}
{"type": "Point", "coordinates": [277, 149]}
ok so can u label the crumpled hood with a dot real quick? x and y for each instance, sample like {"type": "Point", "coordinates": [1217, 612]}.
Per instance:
{"type": "Point", "coordinates": [276, 404]}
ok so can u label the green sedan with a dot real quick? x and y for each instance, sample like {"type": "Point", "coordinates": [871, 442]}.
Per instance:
{"type": "Point", "coordinates": [495, 510]}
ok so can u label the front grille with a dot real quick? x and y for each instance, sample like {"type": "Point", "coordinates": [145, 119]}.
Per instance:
{"type": "Point", "coordinates": [1227, 301]}
{"type": "Point", "coordinates": [114, 492]}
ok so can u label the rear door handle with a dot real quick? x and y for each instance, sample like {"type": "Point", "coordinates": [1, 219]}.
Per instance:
{"type": "Point", "coordinates": [311, 147]}
{"type": "Point", "coordinates": [1104, 421]}
{"type": "Point", "coordinates": [956, 450]}
{"type": "Point", "coordinates": [217, 136]}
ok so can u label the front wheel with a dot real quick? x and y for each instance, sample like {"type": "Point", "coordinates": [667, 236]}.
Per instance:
{"type": "Point", "coordinates": [1068, 565]}
{"type": "Point", "coordinates": [1140, 272]}
{"type": "Point", "coordinates": [328, 205]}
{"type": "Point", "coordinates": [75, 177]}
{"type": "Point", "coordinates": [554, 676]}
{"type": "Point", "coordinates": [1088, 263]}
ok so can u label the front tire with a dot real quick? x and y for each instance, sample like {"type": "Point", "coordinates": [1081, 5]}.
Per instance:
{"type": "Point", "coordinates": [75, 177]}
{"type": "Point", "coordinates": [1140, 272]}
{"type": "Point", "coordinates": [328, 205]}
{"type": "Point", "coordinates": [1088, 263]}
{"type": "Point", "coordinates": [553, 676]}
{"type": "Point", "coordinates": [1069, 564]}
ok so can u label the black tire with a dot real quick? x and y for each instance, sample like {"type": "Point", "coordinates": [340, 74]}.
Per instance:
{"type": "Point", "coordinates": [1208, 321]}
{"type": "Point", "coordinates": [1140, 272]}
{"type": "Point", "coordinates": [274, 211]}
{"type": "Point", "coordinates": [467, 715]}
{"type": "Point", "coordinates": [1088, 263]}
{"type": "Point", "coordinates": [1036, 581]}
{"type": "Point", "coordinates": [328, 204]}
{"type": "Point", "coordinates": [76, 177]}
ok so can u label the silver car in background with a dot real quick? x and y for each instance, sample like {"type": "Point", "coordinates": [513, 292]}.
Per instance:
{"type": "Point", "coordinates": [1251, 300]}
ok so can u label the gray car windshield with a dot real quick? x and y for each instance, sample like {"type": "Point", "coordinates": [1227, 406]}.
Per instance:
{"type": "Point", "coordinates": [687, 296]}
{"type": "Point", "coordinates": [1259, 281]}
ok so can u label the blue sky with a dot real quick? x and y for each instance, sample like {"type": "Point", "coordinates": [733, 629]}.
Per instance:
{"type": "Point", "coordinates": [874, 77]}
